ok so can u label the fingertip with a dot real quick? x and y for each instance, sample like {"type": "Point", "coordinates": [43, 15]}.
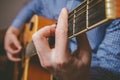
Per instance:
{"type": "Point", "coordinates": [12, 58]}
{"type": "Point", "coordinates": [16, 59]}
{"type": "Point", "coordinates": [19, 47]}
{"type": "Point", "coordinates": [64, 10]}
{"type": "Point", "coordinates": [53, 25]}
{"type": "Point", "coordinates": [63, 18]}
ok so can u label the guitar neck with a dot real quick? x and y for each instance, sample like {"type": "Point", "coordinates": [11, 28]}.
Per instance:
{"type": "Point", "coordinates": [91, 13]}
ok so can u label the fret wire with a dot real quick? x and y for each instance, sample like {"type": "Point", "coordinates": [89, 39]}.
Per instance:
{"type": "Point", "coordinates": [78, 15]}
{"type": "Point", "coordinates": [100, 14]}
{"type": "Point", "coordinates": [77, 12]}
{"type": "Point", "coordinates": [70, 15]}
{"type": "Point", "coordinates": [87, 14]}
{"type": "Point", "coordinates": [82, 12]}
{"type": "Point", "coordinates": [70, 31]}
{"type": "Point", "coordinates": [74, 22]}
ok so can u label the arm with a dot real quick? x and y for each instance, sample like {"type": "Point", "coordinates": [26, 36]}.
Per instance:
{"type": "Point", "coordinates": [108, 54]}
{"type": "Point", "coordinates": [25, 14]}
{"type": "Point", "coordinates": [11, 43]}
{"type": "Point", "coordinates": [58, 60]}
{"type": "Point", "coordinates": [109, 50]}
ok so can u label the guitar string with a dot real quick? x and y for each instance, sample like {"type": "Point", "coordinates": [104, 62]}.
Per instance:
{"type": "Point", "coordinates": [82, 6]}
{"type": "Point", "coordinates": [78, 16]}
{"type": "Point", "coordinates": [82, 17]}
{"type": "Point", "coordinates": [80, 13]}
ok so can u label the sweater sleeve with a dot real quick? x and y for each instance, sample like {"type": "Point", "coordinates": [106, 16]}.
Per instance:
{"type": "Point", "coordinates": [25, 14]}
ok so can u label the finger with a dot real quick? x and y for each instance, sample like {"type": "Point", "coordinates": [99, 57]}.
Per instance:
{"type": "Point", "coordinates": [83, 42]}
{"type": "Point", "coordinates": [40, 39]}
{"type": "Point", "coordinates": [12, 58]}
{"type": "Point", "coordinates": [11, 47]}
{"type": "Point", "coordinates": [16, 42]}
{"type": "Point", "coordinates": [84, 48]}
{"type": "Point", "coordinates": [12, 51]}
{"type": "Point", "coordinates": [61, 31]}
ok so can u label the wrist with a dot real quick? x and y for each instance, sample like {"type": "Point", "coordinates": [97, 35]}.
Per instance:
{"type": "Point", "coordinates": [13, 30]}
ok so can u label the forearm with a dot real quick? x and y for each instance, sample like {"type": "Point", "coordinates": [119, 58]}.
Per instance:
{"type": "Point", "coordinates": [24, 15]}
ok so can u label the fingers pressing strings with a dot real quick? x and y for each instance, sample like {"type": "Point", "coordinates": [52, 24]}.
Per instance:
{"type": "Point", "coordinates": [51, 39]}
{"type": "Point", "coordinates": [42, 39]}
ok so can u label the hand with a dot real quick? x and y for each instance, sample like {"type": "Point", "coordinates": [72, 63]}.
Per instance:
{"type": "Point", "coordinates": [58, 60]}
{"type": "Point", "coordinates": [12, 44]}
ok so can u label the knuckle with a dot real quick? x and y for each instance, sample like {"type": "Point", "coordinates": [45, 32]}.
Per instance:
{"type": "Point", "coordinates": [61, 33]}
{"type": "Point", "coordinates": [35, 36]}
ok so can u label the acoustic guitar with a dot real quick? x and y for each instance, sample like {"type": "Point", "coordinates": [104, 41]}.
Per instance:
{"type": "Point", "coordinates": [88, 15]}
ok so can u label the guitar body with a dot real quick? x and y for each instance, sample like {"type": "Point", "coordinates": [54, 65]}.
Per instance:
{"type": "Point", "coordinates": [35, 71]}
{"type": "Point", "coordinates": [32, 67]}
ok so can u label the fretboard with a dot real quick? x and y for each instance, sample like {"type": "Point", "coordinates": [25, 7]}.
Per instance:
{"type": "Point", "coordinates": [90, 14]}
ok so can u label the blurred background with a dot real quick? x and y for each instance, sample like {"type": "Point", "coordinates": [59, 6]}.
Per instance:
{"type": "Point", "coordinates": [8, 11]}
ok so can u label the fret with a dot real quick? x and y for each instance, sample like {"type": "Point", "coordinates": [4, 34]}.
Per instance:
{"type": "Point", "coordinates": [96, 12]}
{"type": "Point", "coordinates": [71, 15]}
{"type": "Point", "coordinates": [81, 8]}
{"type": "Point", "coordinates": [70, 23]}
{"type": "Point", "coordinates": [74, 21]}
{"type": "Point", "coordinates": [79, 18]}
{"type": "Point", "coordinates": [70, 28]}
{"type": "Point", "coordinates": [88, 2]}
{"type": "Point", "coordinates": [74, 16]}
{"type": "Point", "coordinates": [80, 23]}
